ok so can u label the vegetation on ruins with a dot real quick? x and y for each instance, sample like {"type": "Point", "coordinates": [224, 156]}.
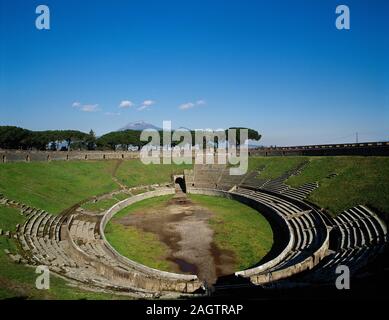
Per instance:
{"type": "Point", "coordinates": [347, 181]}
{"type": "Point", "coordinates": [55, 186]}
{"type": "Point", "coordinates": [232, 219]}
{"type": "Point", "coordinates": [145, 248]}
{"type": "Point", "coordinates": [17, 280]}
{"type": "Point", "coordinates": [344, 181]}
{"type": "Point", "coordinates": [58, 185]}
{"type": "Point", "coordinates": [273, 167]}
{"type": "Point", "coordinates": [105, 203]}
{"type": "Point", "coordinates": [135, 173]}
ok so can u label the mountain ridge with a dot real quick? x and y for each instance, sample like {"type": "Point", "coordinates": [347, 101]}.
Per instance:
{"type": "Point", "coordinates": [139, 126]}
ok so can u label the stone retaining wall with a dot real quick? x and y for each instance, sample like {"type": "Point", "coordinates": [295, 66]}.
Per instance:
{"type": "Point", "coordinates": [30, 156]}
{"type": "Point", "coordinates": [270, 214]}
{"type": "Point", "coordinates": [362, 149]}
{"type": "Point", "coordinates": [306, 264]}
{"type": "Point", "coordinates": [166, 280]}
{"type": "Point", "coordinates": [134, 281]}
{"type": "Point", "coordinates": [344, 149]}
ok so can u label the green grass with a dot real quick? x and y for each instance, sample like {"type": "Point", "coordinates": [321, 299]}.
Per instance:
{"type": "Point", "coordinates": [140, 190]}
{"type": "Point", "coordinates": [121, 196]}
{"type": "Point", "coordinates": [155, 202]}
{"type": "Point", "coordinates": [56, 186]}
{"type": "Point", "coordinates": [9, 218]}
{"type": "Point", "coordinates": [238, 228]}
{"type": "Point", "coordinates": [104, 204]}
{"type": "Point", "coordinates": [273, 167]}
{"type": "Point", "coordinates": [134, 173]}
{"type": "Point", "coordinates": [18, 281]}
{"type": "Point", "coordinates": [138, 245]}
{"type": "Point", "coordinates": [100, 205]}
{"type": "Point", "coordinates": [359, 180]}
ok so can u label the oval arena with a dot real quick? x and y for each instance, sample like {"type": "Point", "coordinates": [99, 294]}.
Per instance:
{"type": "Point", "coordinates": [308, 243]}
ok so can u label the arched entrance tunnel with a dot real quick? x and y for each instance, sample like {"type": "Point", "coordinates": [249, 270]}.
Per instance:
{"type": "Point", "coordinates": [179, 183]}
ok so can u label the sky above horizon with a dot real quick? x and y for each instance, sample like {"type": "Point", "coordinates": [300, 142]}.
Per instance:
{"type": "Point", "coordinates": [279, 67]}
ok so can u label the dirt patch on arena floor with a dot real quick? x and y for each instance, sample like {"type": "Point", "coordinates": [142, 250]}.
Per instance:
{"type": "Point", "coordinates": [183, 226]}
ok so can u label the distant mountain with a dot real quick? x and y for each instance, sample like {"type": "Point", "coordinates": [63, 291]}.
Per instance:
{"type": "Point", "coordinates": [139, 126]}
{"type": "Point", "coordinates": [183, 128]}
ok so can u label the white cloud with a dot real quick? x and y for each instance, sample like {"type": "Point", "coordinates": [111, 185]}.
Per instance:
{"type": "Point", "coordinates": [126, 104]}
{"type": "Point", "coordinates": [190, 105]}
{"type": "Point", "coordinates": [85, 107]}
{"type": "Point", "coordinates": [186, 106]}
{"type": "Point", "coordinates": [146, 104]}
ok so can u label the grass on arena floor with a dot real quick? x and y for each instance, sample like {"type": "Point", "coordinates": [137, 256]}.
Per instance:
{"type": "Point", "coordinates": [238, 228]}
{"type": "Point", "coordinates": [135, 244]}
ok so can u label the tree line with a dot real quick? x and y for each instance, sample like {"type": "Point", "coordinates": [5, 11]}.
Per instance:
{"type": "Point", "coordinates": [12, 137]}
{"type": "Point", "coordinates": [18, 138]}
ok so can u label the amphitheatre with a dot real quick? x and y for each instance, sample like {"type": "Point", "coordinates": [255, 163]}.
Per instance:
{"type": "Point", "coordinates": [285, 102]}
{"type": "Point", "coordinates": [109, 227]}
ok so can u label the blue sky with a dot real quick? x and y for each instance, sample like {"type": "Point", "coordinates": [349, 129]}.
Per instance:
{"type": "Point", "coordinates": [280, 67]}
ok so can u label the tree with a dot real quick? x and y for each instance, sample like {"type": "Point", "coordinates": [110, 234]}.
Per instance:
{"type": "Point", "coordinates": [122, 139]}
{"type": "Point", "coordinates": [18, 138]}
{"type": "Point", "coordinates": [252, 135]}
{"type": "Point", "coordinates": [14, 137]}
{"type": "Point", "coordinates": [91, 140]}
